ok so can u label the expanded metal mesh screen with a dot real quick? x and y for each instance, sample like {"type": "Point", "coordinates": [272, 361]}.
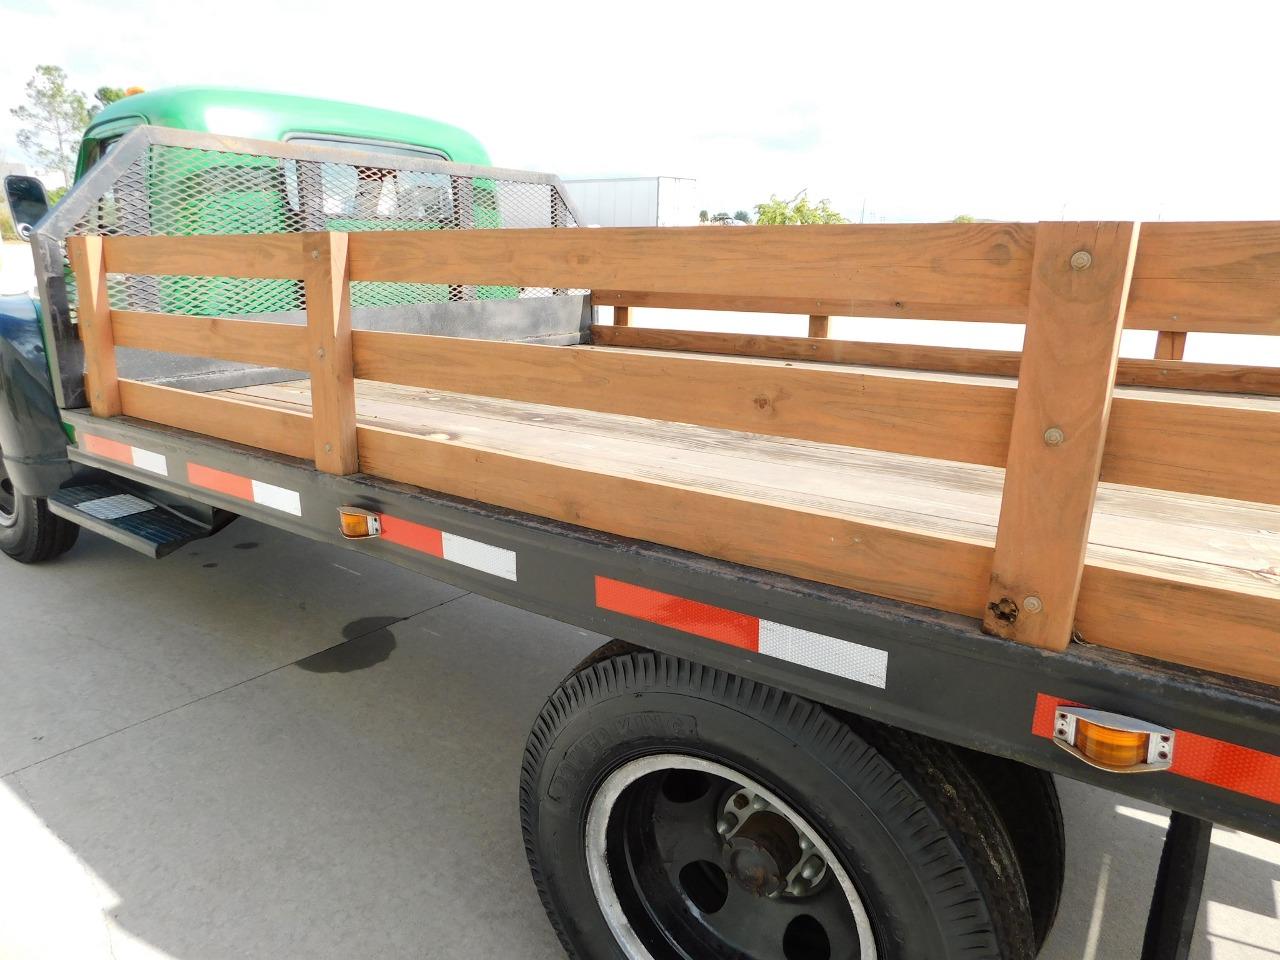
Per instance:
{"type": "Point", "coordinates": [184, 191]}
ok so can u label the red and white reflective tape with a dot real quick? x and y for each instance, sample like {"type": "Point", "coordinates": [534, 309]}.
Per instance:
{"type": "Point", "coordinates": [453, 547]}
{"type": "Point", "coordinates": [1204, 759]}
{"type": "Point", "coordinates": [843, 658]}
{"type": "Point", "coordinates": [245, 488]}
{"type": "Point", "coordinates": [124, 453]}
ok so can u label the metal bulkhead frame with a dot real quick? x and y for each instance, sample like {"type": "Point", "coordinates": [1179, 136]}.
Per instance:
{"type": "Point", "coordinates": [160, 181]}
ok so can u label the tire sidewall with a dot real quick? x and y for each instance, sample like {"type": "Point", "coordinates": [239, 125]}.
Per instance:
{"type": "Point", "coordinates": [14, 537]}
{"type": "Point", "coordinates": [847, 792]}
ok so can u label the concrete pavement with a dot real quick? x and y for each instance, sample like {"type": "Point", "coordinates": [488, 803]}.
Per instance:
{"type": "Point", "coordinates": [266, 748]}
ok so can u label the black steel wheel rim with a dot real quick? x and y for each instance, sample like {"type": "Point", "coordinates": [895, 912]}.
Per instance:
{"type": "Point", "coordinates": [681, 873]}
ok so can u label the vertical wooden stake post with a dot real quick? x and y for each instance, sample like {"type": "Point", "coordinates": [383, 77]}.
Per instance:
{"type": "Point", "coordinates": [93, 314]}
{"type": "Point", "coordinates": [819, 325]}
{"type": "Point", "coordinates": [1080, 278]}
{"type": "Point", "coordinates": [1170, 344]}
{"type": "Point", "coordinates": [621, 316]}
{"type": "Point", "coordinates": [333, 394]}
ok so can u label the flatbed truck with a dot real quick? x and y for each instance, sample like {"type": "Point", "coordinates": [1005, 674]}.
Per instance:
{"type": "Point", "coordinates": [868, 599]}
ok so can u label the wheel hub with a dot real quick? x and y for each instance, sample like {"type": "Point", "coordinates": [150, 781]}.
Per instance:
{"type": "Point", "coordinates": [765, 849]}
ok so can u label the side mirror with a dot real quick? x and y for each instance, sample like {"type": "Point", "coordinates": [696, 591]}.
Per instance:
{"type": "Point", "coordinates": [28, 203]}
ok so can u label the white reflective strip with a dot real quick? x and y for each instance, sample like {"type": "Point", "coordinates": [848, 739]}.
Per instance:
{"type": "Point", "coordinates": [480, 556]}
{"type": "Point", "coordinates": [844, 658]}
{"type": "Point", "coordinates": [277, 497]}
{"type": "Point", "coordinates": [152, 462]}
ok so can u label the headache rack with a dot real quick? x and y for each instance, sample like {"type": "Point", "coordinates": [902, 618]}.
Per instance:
{"type": "Point", "coordinates": [157, 181]}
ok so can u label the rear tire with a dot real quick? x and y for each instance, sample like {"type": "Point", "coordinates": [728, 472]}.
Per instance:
{"type": "Point", "coordinates": [29, 533]}
{"type": "Point", "coordinates": [929, 859]}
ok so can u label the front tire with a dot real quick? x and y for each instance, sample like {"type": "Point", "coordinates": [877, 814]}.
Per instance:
{"type": "Point", "coordinates": [29, 532]}
{"type": "Point", "coordinates": [633, 770]}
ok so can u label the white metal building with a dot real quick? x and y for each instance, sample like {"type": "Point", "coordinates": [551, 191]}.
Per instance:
{"type": "Point", "coordinates": [636, 201]}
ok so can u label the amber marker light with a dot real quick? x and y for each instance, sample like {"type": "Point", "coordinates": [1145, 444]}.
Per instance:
{"type": "Point", "coordinates": [1113, 742]}
{"type": "Point", "coordinates": [358, 524]}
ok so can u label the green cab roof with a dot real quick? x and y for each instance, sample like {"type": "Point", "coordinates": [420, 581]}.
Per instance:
{"type": "Point", "coordinates": [280, 116]}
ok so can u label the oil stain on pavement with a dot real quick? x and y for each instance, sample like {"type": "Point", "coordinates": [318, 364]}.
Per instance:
{"type": "Point", "coordinates": [366, 643]}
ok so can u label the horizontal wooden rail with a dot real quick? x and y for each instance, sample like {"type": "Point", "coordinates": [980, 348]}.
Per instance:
{"type": "Point", "coordinates": [1224, 447]}
{"type": "Point", "coordinates": [947, 270]}
{"type": "Point", "coordinates": [915, 414]}
{"type": "Point", "coordinates": [218, 338]}
{"type": "Point", "coordinates": [274, 256]}
{"type": "Point", "coordinates": [1176, 375]}
{"type": "Point", "coordinates": [237, 421]}
{"type": "Point", "coordinates": [1220, 277]}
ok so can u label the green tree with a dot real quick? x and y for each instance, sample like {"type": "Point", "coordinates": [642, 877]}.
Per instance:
{"type": "Point", "coordinates": [796, 210]}
{"type": "Point", "coordinates": [106, 96]}
{"type": "Point", "coordinates": [964, 218]}
{"type": "Point", "coordinates": [743, 216]}
{"type": "Point", "coordinates": [53, 119]}
{"type": "Point", "coordinates": [703, 216]}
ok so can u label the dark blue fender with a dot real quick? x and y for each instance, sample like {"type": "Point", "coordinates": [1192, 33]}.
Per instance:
{"type": "Point", "coordinates": [31, 434]}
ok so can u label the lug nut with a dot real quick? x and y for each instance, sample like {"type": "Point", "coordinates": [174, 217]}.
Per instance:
{"type": "Point", "coordinates": [725, 825]}
{"type": "Point", "coordinates": [812, 867]}
{"type": "Point", "coordinates": [796, 887]}
{"type": "Point", "coordinates": [806, 843]}
{"type": "Point", "coordinates": [759, 803]}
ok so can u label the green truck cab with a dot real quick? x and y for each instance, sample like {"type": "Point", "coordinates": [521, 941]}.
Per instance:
{"type": "Point", "coordinates": [276, 116]}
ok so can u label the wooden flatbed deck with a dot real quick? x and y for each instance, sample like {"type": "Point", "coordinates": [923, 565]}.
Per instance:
{"type": "Point", "coordinates": [1083, 498]}
{"type": "Point", "coordinates": [1217, 543]}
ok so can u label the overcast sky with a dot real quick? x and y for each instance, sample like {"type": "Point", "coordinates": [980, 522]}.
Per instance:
{"type": "Point", "coordinates": [1025, 110]}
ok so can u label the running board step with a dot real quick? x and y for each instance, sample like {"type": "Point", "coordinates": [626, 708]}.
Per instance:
{"type": "Point", "coordinates": [127, 518]}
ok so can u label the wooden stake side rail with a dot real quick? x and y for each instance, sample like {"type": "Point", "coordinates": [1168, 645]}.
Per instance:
{"type": "Point", "coordinates": [1072, 281]}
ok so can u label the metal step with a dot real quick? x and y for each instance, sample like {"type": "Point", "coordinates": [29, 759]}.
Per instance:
{"type": "Point", "coordinates": [126, 517]}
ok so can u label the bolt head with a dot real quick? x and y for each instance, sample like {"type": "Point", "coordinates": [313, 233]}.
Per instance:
{"type": "Point", "coordinates": [812, 867]}
{"type": "Point", "coordinates": [726, 824]}
{"type": "Point", "coordinates": [1054, 436]}
{"type": "Point", "coordinates": [1032, 604]}
{"type": "Point", "coordinates": [1081, 260]}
